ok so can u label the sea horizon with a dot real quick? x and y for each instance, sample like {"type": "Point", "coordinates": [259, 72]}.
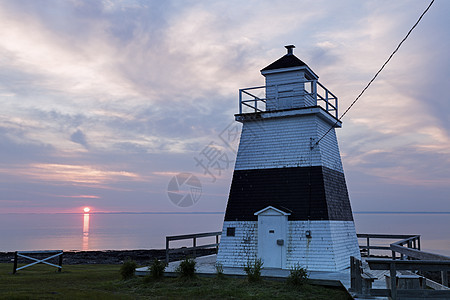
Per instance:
{"type": "Point", "coordinates": [127, 230]}
{"type": "Point", "coordinates": [211, 212]}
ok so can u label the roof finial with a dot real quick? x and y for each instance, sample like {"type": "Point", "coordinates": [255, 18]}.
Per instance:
{"type": "Point", "coordinates": [290, 49]}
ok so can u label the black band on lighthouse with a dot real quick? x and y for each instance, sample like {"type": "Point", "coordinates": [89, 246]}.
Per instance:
{"type": "Point", "coordinates": [310, 193]}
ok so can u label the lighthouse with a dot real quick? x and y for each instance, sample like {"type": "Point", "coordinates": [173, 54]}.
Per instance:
{"type": "Point", "coordinates": [288, 203]}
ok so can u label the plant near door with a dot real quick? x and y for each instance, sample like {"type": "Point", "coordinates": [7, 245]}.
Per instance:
{"type": "Point", "coordinates": [253, 269]}
{"type": "Point", "coordinates": [298, 276]}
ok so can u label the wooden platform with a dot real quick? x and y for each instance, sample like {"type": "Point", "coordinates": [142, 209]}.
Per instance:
{"type": "Point", "coordinates": [206, 267]}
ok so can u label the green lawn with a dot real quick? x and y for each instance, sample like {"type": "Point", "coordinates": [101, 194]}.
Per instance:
{"type": "Point", "coordinates": [103, 282]}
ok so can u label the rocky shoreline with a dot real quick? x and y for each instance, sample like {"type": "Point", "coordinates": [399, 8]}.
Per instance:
{"type": "Point", "coordinates": [141, 257]}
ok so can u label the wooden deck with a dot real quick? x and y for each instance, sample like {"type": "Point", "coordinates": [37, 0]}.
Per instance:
{"type": "Point", "coordinates": [371, 276]}
{"type": "Point", "coordinates": [206, 267]}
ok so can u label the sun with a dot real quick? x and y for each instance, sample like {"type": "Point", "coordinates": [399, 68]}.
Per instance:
{"type": "Point", "coordinates": [86, 209]}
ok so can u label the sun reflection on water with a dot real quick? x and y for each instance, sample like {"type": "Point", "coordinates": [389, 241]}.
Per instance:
{"type": "Point", "coordinates": [85, 246]}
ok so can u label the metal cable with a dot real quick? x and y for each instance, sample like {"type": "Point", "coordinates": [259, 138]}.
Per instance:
{"type": "Point", "coordinates": [379, 71]}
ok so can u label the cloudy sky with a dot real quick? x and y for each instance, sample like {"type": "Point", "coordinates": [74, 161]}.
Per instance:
{"type": "Point", "coordinates": [103, 102]}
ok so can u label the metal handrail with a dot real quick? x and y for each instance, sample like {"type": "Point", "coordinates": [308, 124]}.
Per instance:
{"type": "Point", "coordinates": [328, 101]}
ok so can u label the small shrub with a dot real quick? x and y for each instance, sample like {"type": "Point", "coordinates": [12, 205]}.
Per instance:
{"type": "Point", "coordinates": [253, 269]}
{"type": "Point", "coordinates": [186, 269]}
{"type": "Point", "coordinates": [127, 269]}
{"type": "Point", "coordinates": [298, 276]}
{"type": "Point", "coordinates": [219, 270]}
{"type": "Point", "coordinates": [157, 269]}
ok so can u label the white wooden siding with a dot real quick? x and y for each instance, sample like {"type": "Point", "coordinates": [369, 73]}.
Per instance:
{"type": "Point", "coordinates": [235, 251]}
{"type": "Point", "coordinates": [285, 142]}
{"type": "Point", "coordinates": [286, 90]}
{"type": "Point", "coordinates": [329, 248]}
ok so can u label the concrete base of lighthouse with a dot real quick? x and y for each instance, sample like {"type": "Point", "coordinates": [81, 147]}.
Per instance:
{"type": "Point", "coordinates": [314, 245]}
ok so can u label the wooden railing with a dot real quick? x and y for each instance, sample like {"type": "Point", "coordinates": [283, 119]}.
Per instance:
{"type": "Point", "coordinates": [361, 283]}
{"type": "Point", "coordinates": [194, 238]}
{"type": "Point", "coordinates": [413, 252]}
{"type": "Point", "coordinates": [412, 241]}
{"type": "Point", "coordinates": [417, 265]}
{"type": "Point", "coordinates": [411, 259]}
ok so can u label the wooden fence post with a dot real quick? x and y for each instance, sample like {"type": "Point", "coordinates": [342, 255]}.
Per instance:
{"type": "Point", "coordinates": [217, 242]}
{"type": "Point", "coordinates": [444, 277]}
{"type": "Point", "coordinates": [195, 246]}
{"type": "Point", "coordinates": [60, 262]}
{"type": "Point", "coordinates": [355, 275]}
{"type": "Point", "coordinates": [15, 263]}
{"type": "Point", "coordinates": [167, 250]}
{"type": "Point", "coordinates": [393, 273]}
{"type": "Point", "coordinates": [352, 274]}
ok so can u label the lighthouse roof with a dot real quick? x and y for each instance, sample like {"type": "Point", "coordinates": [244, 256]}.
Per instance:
{"type": "Point", "coordinates": [287, 61]}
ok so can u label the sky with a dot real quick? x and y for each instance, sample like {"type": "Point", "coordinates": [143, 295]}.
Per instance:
{"type": "Point", "coordinates": [105, 103]}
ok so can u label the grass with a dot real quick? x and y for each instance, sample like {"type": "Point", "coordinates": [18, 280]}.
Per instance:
{"type": "Point", "coordinates": [103, 282]}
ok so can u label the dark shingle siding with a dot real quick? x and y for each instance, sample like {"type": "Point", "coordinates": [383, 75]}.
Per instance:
{"type": "Point", "coordinates": [253, 190]}
{"type": "Point", "coordinates": [338, 202]}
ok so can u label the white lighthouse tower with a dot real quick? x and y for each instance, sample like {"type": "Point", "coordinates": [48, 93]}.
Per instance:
{"type": "Point", "coordinates": [288, 201]}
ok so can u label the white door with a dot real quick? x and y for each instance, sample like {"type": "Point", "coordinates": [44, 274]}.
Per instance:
{"type": "Point", "coordinates": [271, 240]}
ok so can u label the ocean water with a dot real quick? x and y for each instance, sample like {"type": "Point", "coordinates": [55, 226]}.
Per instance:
{"type": "Point", "coordinates": [433, 228]}
{"type": "Point", "coordinates": [148, 230]}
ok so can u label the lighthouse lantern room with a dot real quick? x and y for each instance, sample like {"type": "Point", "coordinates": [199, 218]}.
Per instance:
{"type": "Point", "coordinates": [288, 201]}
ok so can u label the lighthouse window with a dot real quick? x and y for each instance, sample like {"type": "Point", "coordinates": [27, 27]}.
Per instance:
{"type": "Point", "coordinates": [231, 231]}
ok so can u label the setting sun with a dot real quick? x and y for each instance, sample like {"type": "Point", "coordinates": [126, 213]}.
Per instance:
{"type": "Point", "coordinates": [86, 209]}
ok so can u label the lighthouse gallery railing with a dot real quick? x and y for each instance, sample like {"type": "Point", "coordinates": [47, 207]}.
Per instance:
{"type": "Point", "coordinates": [254, 99]}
